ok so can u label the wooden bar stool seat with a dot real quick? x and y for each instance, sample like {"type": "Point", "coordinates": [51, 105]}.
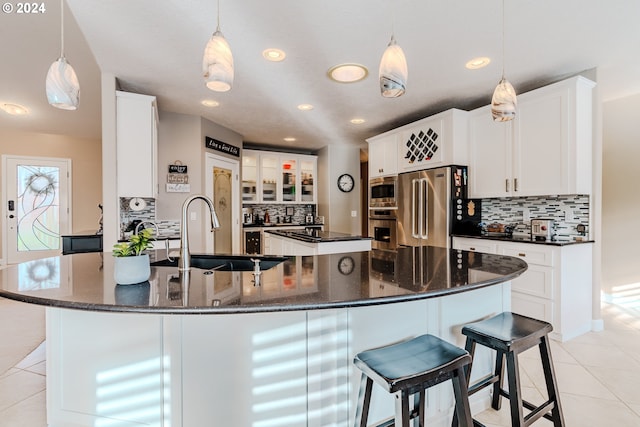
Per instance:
{"type": "Point", "coordinates": [509, 334]}
{"type": "Point", "coordinates": [409, 368]}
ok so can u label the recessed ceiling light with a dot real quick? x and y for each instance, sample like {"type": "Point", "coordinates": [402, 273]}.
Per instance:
{"type": "Point", "coordinates": [210, 103]}
{"type": "Point", "coordinates": [289, 139]}
{"type": "Point", "coordinates": [305, 107]}
{"type": "Point", "coordinates": [479, 62]}
{"type": "Point", "coordinates": [14, 109]}
{"type": "Point", "coordinates": [274, 55]}
{"type": "Point", "coordinates": [357, 121]}
{"type": "Point", "coordinates": [348, 73]}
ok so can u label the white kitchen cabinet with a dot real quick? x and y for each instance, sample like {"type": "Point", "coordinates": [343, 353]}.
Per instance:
{"type": "Point", "coordinates": [555, 288]}
{"type": "Point", "coordinates": [383, 155]}
{"type": "Point", "coordinates": [136, 145]}
{"type": "Point", "coordinates": [273, 177]}
{"type": "Point", "coordinates": [545, 150]}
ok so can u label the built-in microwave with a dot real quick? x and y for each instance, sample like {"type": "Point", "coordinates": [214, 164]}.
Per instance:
{"type": "Point", "coordinates": [383, 192]}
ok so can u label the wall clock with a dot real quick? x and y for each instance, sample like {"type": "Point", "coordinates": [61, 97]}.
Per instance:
{"type": "Point", "coordinates": [345, 182]}
{"type": "Point", "coordinates": [346, 265]}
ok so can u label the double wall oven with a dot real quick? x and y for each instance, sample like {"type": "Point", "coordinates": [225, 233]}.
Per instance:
{"type": "Point", "coordinates": [383, 207]}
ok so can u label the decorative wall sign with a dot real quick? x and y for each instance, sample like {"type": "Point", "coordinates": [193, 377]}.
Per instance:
{"type": "Point", "coordinates": [178, 188]}
{"type": "Point", "coordinates": [223, 147]}
{"type": "Point", "coordinates": [177, 175]}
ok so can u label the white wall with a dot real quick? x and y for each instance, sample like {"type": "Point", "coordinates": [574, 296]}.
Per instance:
{"type": "Point", "coordinates": [336, 206]}
{"type": "Point", "coordinates": [620, 201]}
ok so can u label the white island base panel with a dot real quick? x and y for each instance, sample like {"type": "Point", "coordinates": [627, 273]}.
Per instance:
{"type": "Point", "coordinates": [278, 245]}
{"type": "Point", "coordinates": [266, 369]}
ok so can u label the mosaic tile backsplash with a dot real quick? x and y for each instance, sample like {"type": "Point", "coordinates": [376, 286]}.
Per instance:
{"type": "Point", "coordinates": [165, 227]}
{"type": "Point", "coordinates": [567, 211]}
{"type": "Point", "coordinates": [280, 211]}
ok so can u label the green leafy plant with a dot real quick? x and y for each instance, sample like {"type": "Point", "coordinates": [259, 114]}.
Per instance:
{"type": "Point", "coordinates": [136, 244]}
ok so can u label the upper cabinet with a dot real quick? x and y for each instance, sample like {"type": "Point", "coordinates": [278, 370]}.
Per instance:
{"type": "Point", "coordinates": [136, 145]}
{"type": "Point", "coordinates": [272, 177]}
{"type": "Point", "coordinates": [546, 150]}
{"type": "Point", "coordinates": [435, 141]}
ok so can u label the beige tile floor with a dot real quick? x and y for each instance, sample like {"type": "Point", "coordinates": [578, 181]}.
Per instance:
{"type": "Point", "coordinates": [598, 375]}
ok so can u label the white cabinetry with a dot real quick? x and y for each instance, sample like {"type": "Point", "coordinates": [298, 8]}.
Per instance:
{"type": "Point", "coordinates": [555, 288]}
{"type": "Point", "coordinates": [272, 177]}
{"type": "Point", "coordinates": [136, 145]}
{"type": "Point", "coordinates": [383, 155]}
{"type": "Point", "coordinates": [434, 141]}
{"type": "Point", "coordinates": [546, 150]}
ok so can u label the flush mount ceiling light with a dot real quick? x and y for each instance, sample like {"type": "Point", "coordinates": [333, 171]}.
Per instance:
{"type": "Point", "coordinates": [305, 107]}
{"type": "Point", "coordinates": [274, 55]}
{"type": "Point", "coordinates": [289, 139]}
{"type": "Point", "coordinates": [503, 101]}
{"type": "Point", "coordinates": [217, 63]}
{"type": "Point", "coordinates": [357, 121]}
{"type": "Point", "coordinates": [477, 63]}
{"type": "Point", "coordinates": [14, 109]}
{"type": "Point", "coordinates": [63, 88]}
{"type": "Point", "coordinates": [348, 73]}
{"type": "Point", "coordinates": [210, 103]}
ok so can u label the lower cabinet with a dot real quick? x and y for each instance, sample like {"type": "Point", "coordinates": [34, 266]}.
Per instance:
{"type": "Point", "coordinates": [557, 286]}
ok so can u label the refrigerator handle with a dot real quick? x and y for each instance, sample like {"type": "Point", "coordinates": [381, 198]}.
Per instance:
{"type": "Point", "coordinates": [415, 217]}
{"type": "Point", "coordinates": [425, 209]}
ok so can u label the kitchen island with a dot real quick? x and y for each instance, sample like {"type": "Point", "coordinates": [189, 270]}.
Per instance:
{"type": "Point", "coordinates": [313, 242]}
{"type": "Point", "coordinates": [211, 348]}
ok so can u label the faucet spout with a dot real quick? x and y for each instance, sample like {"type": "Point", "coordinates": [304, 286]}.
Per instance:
{"type": "Point", "coordinates": [184, 263]}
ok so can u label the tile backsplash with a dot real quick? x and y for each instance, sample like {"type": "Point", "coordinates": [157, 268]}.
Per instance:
{"type": "Point", "coordinates": [165, 227]}
{"type": "Point", "coordinates": [567, 211]}
{"type": "Point", "coordinates": [280, 211]}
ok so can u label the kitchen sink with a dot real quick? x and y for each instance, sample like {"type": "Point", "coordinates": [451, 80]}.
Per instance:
{"type": "Point", "coordinates": [225, 262]}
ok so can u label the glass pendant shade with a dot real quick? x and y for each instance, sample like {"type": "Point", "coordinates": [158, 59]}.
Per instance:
{"type": "Point", "coordinates": [217, 64]}
{"type": "Point", "coordinates": [393, 71]}
{"type": "Point", "coordinates": [504, 102]}
{"type": "Point", "coordinates": [63, 88]}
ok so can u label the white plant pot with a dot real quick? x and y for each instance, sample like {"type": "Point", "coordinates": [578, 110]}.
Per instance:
{"type": "Point", "coordinates": [130, 270]}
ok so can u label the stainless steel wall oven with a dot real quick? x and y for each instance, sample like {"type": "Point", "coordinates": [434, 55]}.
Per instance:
{"type": "Point", "coordinates": [383, 192]}
{"type": "Point", "coordinates": [382, 228]}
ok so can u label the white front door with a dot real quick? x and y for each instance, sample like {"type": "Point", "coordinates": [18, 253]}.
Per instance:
{"type": "Point", "coordinates": [222, 186]}
{"type": "Point", "coordinates": [36, 201]}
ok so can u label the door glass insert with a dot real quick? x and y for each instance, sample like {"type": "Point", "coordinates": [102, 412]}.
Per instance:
{"type": "Point", "coordinates": [222, 204]}
{"type": "Point", "coordinates": [38, 208]}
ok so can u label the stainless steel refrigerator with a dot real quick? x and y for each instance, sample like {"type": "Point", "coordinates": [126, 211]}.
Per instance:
{"type": "Point", "coordinates": [429, 201]}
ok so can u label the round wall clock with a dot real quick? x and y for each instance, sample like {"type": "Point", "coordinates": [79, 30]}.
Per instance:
{"type": "Point", "coordinates": [346, 265]}
{"type": "Point", "coordinates": [345, 182]}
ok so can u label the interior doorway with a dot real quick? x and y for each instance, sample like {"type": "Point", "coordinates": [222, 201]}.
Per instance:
{"type": "Point", "coordinates": [223, 188]}
{"type": "Point", "coordinates": [36, 201]}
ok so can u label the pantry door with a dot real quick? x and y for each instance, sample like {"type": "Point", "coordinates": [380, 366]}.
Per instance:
{"type": "Point", "coordinates": [36, 200]}
{"type": "Point", "coordinates": [222, 186]}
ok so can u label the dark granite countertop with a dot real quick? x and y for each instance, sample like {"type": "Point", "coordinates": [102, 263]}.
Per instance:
{"type": "Point", "coordinates": [85, 282]}
{"type": "Point", "coordinates": [317, 236]}
{"type": "Point", "coordinates": [282, 225]}
{"type": "Point", "coordinates": [516, 239]}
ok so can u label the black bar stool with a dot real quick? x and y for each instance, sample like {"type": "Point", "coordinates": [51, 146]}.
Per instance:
{"type": "Point", "coordinates": [409, 368]}
{"type": "Point", "coordinates": [509, 334]}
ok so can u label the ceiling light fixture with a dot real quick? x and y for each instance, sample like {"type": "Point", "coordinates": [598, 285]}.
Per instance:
{"type": "Point", "coordinates": [217, 63]}
{"type": "Point", "coordinates": [348, 73]}
{"type": "Point", "coordinates": [305, 107]}
{"type": "Point", "coordinates": [210, 103]}
{"type": "Point", "coordinates": [503, 101]}
{"type": "Point", "coordinates": [289, 139]}
{"type": "Point", "coordinates": [357, 121]}
{"type": "Point", "coordinates": [274, 55]}
{"type": "Point", "coordinates": [393, 70]}
{"type": "Point", "coordinates": [63, 88]}
{"type": "Point", "coordinates": [14, 109]}
{"type": "Point", "coordinates": [477, 63]}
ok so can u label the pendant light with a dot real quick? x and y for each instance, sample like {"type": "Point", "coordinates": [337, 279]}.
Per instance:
{"type": "Point", "coordinates": [217, 63]}
{"type": "Point", "coordinates": [503, 102]}
{"type": "Point", "coordinates": [393, 69]}
{"type": "Point", "coordinates": [63, 88]}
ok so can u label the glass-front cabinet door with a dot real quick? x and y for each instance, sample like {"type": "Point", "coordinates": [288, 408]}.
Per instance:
{"type": "Point", "coordinates": [269, 168]}
{"type": "Point", "coordinates": [289, 177]}
{"type": "Point", "coordinates": [307, 172]}
{"type": "Point", "coordinates": [249, 177]}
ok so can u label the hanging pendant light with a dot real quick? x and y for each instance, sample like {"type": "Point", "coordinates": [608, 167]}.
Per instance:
{"type": "Point", "coordinates": [63, 88]}
{"type": "Point", "coordinates": [503, 102]}
{"type": "Point", "coordinates": [217, 63]}
{"type": "Point", "coordinates": [393, 71]}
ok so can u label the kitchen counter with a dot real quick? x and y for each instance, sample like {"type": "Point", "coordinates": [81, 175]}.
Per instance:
{"type": "Point", "coordinates": [317, 236]}
{"type": "Point", "coordinates": [199, 346]}
{"type": "Point", "coordinates": [525, 240]}
{"type": "Point", "coordinates": [283, 225]}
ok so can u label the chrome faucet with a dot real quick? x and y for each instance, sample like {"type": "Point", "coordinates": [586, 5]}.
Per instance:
{"type": "Point", "coordinates": [184, 263]}
{"type": "Point", "coordinates": [155, 226]}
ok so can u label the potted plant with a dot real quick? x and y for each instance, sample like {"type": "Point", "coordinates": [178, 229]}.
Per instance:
{"type": "Point", "coordinates": [131, 265]}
